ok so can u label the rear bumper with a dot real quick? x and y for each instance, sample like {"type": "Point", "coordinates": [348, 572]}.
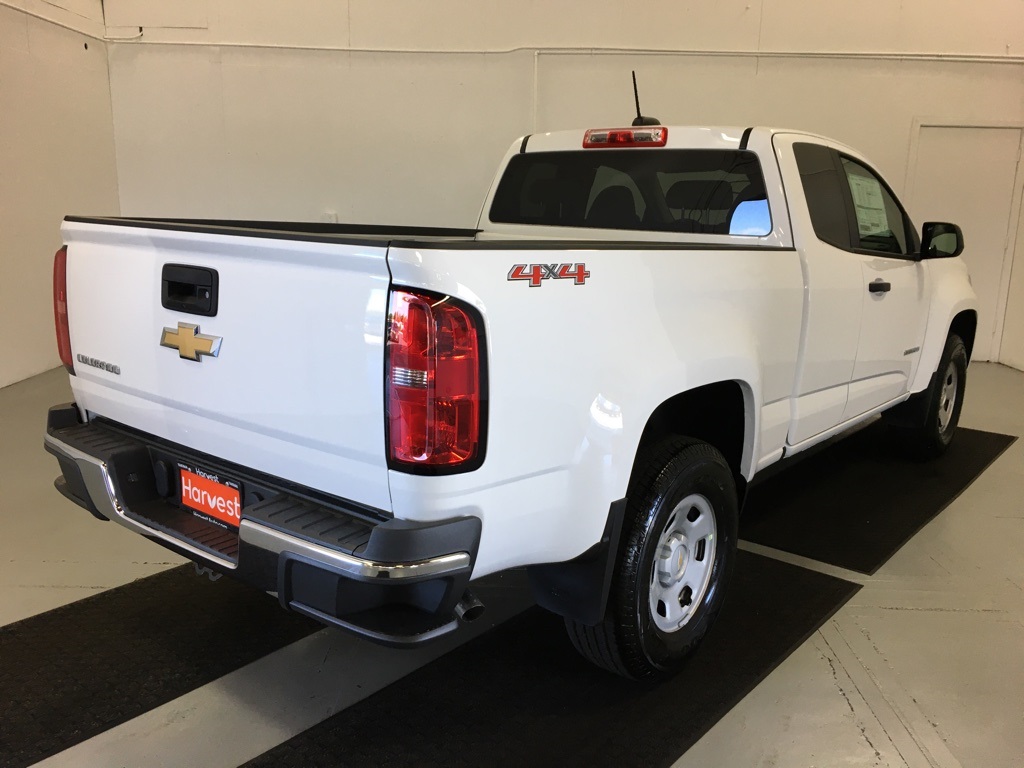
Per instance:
{"type": "Point", "coordinates": [392, 581]}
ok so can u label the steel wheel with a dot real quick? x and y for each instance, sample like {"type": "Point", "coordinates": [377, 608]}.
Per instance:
{"type": "Point", "coordinates": [926, 423]}
{"type": "Point", "coordinates": [947, 396]}
{"type": "Point", "coordinates": [678, 549]}
{"type": "Point", "coordinates": [683, 563]}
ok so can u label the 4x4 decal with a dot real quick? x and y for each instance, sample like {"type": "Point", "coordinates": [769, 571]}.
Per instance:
{"type": "Point", "coordinates": [537, 273]}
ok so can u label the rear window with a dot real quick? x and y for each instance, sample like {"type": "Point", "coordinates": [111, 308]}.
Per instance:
{"type": "Point", "coordinates": [708, 191]}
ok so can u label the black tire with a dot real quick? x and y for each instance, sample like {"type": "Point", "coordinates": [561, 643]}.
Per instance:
{"type": "Point", "coordinates": [628, 641]}
{"type": "Point", "coordinates": [931, 439]}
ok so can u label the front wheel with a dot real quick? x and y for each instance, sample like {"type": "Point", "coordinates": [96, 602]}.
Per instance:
{"type": "Point", "coordinates": [945, 398]}
{"type": "Point", "coordinates": [678, 550]}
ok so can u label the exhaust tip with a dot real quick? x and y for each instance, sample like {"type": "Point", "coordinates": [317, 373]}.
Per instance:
{"type": "Point", "coordinates": [469, 608]}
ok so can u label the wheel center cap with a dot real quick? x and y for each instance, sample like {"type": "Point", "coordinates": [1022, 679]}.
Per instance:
{"type": "Point", "coordinates": [674, 557]}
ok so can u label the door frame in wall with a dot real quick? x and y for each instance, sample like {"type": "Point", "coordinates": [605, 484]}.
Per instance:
{"type": "Point", "coordinates": [1016, 207]}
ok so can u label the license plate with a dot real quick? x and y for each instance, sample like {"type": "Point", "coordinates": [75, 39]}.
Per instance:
{"type": "Point", "coordinates": [211, 496]}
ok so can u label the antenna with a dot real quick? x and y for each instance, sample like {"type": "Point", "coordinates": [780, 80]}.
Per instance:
{"type": "Point", "coordinates": [640, 119]}
{"type": "Point", "coordinates": [636, 97]}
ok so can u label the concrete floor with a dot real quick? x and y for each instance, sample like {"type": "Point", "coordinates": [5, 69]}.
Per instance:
{"type": "Point", "coordinates": [924, 667]}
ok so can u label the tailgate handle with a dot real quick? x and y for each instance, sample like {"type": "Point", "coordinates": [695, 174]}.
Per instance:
{"type": "Point", "coordinates": [192, 290]}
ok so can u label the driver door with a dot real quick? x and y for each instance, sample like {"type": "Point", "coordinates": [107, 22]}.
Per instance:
{"type": "Point", "coordinates": [894, 285]}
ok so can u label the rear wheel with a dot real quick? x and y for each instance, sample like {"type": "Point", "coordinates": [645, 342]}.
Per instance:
{"type": "Point", "coordinates": [678, 550]}
{"type": "Point", "coordinates": [945, 398]}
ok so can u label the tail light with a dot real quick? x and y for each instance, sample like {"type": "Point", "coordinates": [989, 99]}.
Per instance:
{"type": "Point", "coordinates": [435, 384]}
{"type": "Point", "coordinates": [597, 138]}
{"type": "Point", "coordinates": [60, 308]}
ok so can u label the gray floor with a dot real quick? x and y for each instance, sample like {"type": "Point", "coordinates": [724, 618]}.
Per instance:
{"type": "Point", "coordinates": [924, 667]}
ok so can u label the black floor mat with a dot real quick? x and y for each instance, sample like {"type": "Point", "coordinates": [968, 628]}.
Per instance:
{"type": "Point", "coordinates": [857, 501]}
{"type": "Point", "coordinates": [520, 695]}
{"type": "Point", "coordinates": [76, 671]}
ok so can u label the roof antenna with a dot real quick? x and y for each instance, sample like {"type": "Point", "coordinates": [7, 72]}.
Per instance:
{"type": "Point", "coordinates": [641, 119]}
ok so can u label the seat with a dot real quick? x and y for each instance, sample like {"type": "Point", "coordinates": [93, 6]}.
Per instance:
{"type": "Point", "coordinates": [613, 208]}
{"type": "Point", "coordinates": [546, 195]}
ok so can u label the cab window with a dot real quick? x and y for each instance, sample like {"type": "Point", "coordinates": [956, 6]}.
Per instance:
{"type": "Point", "coordinates": [850, 206]}
{"type": "Point", "coordinates": [823, 192]}
{"type": "Point", "coordinates": [881, 225]}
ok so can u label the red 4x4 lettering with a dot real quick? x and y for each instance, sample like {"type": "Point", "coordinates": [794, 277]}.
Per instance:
{"type": "Point", "coordinates": [537, 273]}
{"type": "Point", "coordinates": [578, 272]}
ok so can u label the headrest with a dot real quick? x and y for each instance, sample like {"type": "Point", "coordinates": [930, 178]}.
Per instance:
{"type": "Point", "coordinates": [614, 207]}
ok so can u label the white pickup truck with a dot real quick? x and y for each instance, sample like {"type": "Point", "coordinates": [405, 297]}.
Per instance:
{"type": "Point", "coordinates": [363, 419]}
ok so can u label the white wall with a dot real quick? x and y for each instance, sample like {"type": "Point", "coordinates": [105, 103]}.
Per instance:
{"type": "Point", "coordinates": [85, 16]}
{"type": "Point", "coordinates": [987, 27]}
{"type": "Point", "coordinates": [56, 156]}
{"type": "Point", "coordinates": [243, 133]}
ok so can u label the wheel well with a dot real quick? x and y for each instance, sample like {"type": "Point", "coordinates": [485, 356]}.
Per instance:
{"type": "Point", "coordinates": [714, 413]}
{"type": "Point", "coordinates": [964, 325]}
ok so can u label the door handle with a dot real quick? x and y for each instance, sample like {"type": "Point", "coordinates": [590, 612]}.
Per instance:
{"type": "Point", "coordinates": [189, 289]}
{"type": "Point", "coordinates": [879, 286]}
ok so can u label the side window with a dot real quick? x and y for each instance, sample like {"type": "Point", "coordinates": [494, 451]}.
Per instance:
{"type": "Point", "coordinates": [824, 194]}
{"type": "Point", "coordinates": [880, 221]}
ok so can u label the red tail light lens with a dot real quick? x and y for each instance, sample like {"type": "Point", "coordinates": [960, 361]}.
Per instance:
{"type": "Point", "coordinates": [60, 308]}
{"type": "Point", "coordinates": [598, 138]}
{"type": "Point", "coordinates": [435, 387]}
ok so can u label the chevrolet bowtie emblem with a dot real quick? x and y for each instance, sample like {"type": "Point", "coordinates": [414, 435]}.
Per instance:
{"type": "Point", "coordinates": [190, 343]}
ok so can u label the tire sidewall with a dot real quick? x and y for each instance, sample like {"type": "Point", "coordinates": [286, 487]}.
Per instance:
{"type": "Point", "coordinates": [955, 353]}
{"type": "Point", "coordinates": [682, 477]}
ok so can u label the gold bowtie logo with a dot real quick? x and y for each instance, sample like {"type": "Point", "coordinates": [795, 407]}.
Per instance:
{"type": "Point", "coordinates": [190, 343]}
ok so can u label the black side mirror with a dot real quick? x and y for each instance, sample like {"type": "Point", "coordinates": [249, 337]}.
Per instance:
{"type": "Point", "coordinates": [941, 240]}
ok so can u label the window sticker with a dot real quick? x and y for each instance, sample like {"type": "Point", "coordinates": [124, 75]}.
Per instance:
{"type": "Point", "coordinates": [869, 203]}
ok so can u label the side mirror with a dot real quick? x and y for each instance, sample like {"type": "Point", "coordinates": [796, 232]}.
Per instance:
{"type": "Point", "coordinates": [941, 240]}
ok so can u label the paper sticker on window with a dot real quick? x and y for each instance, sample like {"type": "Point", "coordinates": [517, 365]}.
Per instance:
{"type": "Point", "coordinates": [869, 203]}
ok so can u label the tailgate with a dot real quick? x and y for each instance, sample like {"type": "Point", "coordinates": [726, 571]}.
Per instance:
{"type": "Point", "coordinates": [296, 389]}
